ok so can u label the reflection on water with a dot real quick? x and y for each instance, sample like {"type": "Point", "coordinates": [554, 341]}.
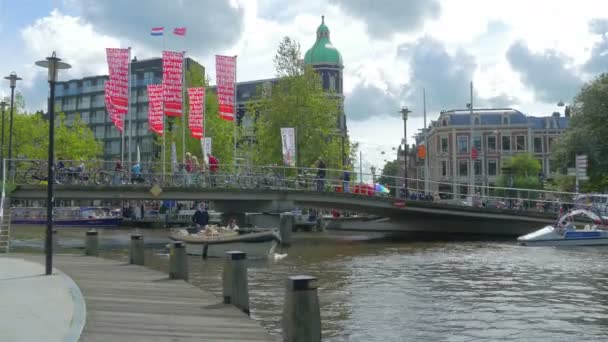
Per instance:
{"type": "Point", "coordinates": [461, 291]}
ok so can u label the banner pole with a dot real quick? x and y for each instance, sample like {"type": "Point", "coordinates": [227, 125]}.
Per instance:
{"type": "Point", "coordinates": [184, 107]}
{"type": "Point", "coordinates": [129, 114]}
{"type": "Point", "coordinates": [164, 148]}
{"type": "Point", "coordinates": [235, 112]}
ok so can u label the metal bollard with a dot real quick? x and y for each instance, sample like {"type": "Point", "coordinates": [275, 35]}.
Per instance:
{"type": "Point", "coordinates": [91, 246]}
{"type": "Point", "coordinates": [234, 280]}
{"type": "Point", "coordinates": [55, 241]}
{"type": "Point", "coordinates": [301, 312]}
{"type": "Point", "coordinates": [178, 261]}
{"type": "Point", "coordinates": [136, 253]}
{"type": "Point", "coordinates": [286, 228]}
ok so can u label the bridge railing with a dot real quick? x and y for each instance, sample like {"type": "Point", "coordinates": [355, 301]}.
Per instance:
{"type": "Point", "coordinates": [110, 174]}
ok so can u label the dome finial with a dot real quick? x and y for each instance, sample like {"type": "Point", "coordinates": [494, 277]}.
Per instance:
{"type": "Point", "coordinates": [323, 19]}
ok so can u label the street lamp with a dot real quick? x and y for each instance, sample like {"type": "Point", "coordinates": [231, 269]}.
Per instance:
{"type": "Point", "coordinates": [3, 105]}
{"type": "Point", "coordinates": [53, 64]}
{"type": "Point", "coordinates": [566, 109]}
{"type": "Point", "coordinates": [12, 78]}
{"type": "Point", "coordinates": [373, 170]}
{"type": "Point", "coordinates": [404, 113]}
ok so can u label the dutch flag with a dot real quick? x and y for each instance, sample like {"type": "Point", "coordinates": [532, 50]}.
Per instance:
{"type": "Point", "coordinates": [157, 31]}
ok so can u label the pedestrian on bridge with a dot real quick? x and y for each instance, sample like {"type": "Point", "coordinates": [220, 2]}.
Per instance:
{"type": "Point", "coordinates": [321, 171]}
{"type": "Point", "coordinates": [213, 166]}
{"type": "Point", "coordinates": [345, 181]}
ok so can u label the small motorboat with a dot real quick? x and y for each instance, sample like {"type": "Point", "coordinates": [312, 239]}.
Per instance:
{"type": "Point", "coordinates": [591, 231]}
{"type": "Point", "coordinates": [215, 241]}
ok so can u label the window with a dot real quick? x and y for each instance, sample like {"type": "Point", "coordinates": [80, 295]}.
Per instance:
{"type": "Point", "coordinates": [505, 120]}
{"type": "Point", "coordinates": [550, 143]}
{"type": "Point", "coordinates": [463, 168]}
{"type": "Point", "coordinates": [538, 144]}
{"type": "Point", "coordinates": [506, 143]}
{"type": "Point", "coordinates": [477, 167]}
{"type": "Point", "coordinates": [463, 144]}
{"type": "Point", "coordinates": [476, 121]}
{"type": "Point", "coordinates": [444, 168]}
{"type": "Point", "coordinates": [444, 122]}
{"type": "Point", "coordinates": [491, 143]}
{"type": "Point", "coordinates": [520, 143]}
{"type": "Point", "coordinates": [477, 143]}
{"type": "Point", "coordinates": [491, 167]}
{"type": "Point", "coordinates": [444, 145]}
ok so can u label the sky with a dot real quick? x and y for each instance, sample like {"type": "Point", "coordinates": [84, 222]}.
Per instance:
{"type": "Point", "coordinates": [522, 54]}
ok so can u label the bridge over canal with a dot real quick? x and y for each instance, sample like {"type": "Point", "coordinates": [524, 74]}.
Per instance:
{"type": "Point", "coordinates": [405, 215]}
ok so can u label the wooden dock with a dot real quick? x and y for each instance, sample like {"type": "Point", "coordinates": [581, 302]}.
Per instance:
{"type": "Point", "coordinates": [134, 303]}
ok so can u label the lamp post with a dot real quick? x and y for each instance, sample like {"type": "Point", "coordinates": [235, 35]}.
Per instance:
{"type": "Point", "coordinates": [373, 170]}
{"type": "Point", "coordinates": [567, 108]}
{"type": "Point", "coordinates": [3, 105]}
{"type": "Point", "coordinates": [404, 113]}
{"type": "Point", "coordinates": [12, 78]}
{"type": "Point", "coordinates": [53, 64]}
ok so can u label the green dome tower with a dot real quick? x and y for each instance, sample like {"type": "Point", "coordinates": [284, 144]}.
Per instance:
{"type": "Point", "coordinates": [326, 60]}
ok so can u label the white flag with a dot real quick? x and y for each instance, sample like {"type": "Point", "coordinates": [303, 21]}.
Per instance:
{"type": "Point", "coordinates": [288, 142]}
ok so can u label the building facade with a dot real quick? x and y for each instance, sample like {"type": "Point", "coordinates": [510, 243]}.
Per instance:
{"type": "Point", "coordinates": [85, 98]}
{"type": "Point", "coordinates": [467, 151]}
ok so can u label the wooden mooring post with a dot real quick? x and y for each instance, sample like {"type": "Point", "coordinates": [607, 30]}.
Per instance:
{"type": "Point", "coordinates": [178, 261]}
{"type": "Point", "coordinates": [91, 247]}
{"type": "Point", "coordinates": [234, 280]}
{"type": "Point", "coordinates": [301, 312]}
{"type": "Point", "coordinates": [136, 252]}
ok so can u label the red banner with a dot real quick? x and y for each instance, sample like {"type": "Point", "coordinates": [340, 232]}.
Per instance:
{"type": "Point", "coordinates": [115, 117]}
{"type": "Point", "coordinates": [173, 63]}
{"type": "Point", "coordinates": [117, 87]}
{"type": "Point", "coordinates": [225, 74]}
{"type": "Point", "coordinates": [155, 108]}
{"type": "Point", "coordinates": [196, 97]}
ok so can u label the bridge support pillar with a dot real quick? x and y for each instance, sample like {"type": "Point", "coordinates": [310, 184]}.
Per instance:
{"type": "Point", "coordinates": [234, 280]}
{"type": "Point", "coordinates": [91, 247]}
{"type": "Point", "coordinates": [301, 312]}
{"type": "Point", "coordinates": [178, 261]}
{"type": "Point", "coordinates": [136, 253]}
{"type": "Point", "coordinates": [286, 228]}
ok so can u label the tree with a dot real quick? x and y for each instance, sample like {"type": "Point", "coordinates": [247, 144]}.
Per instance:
{"type": "Point", "coordinates": [72, 142]}
{"type": "Point", "coordinates": [299, 101]}
{"type": "Point", "coordinates": [288, 60]}
{"type": "Point", "coordinates": [389, 171]}
{"type": "Point", "coordinates": [586, 134]}
{"type": "Point", "coordinates": [523, 174]}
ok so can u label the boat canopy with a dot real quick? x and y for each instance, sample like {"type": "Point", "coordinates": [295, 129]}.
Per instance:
{"type": "Point", "coordinates": [579, 212]}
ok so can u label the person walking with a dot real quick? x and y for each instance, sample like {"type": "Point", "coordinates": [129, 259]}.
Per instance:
{"type": "Point", "coordinates": [321, 171]}
{"type": "Point", "coordinates": [213, 167]}
{"type": "Point", "coordinates": [345, 181]}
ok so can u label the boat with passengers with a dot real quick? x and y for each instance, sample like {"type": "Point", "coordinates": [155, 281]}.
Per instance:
{"type": "Point", "coordinates": [579, 227]}
{"type": "Point", "coordinates": [66, 216]}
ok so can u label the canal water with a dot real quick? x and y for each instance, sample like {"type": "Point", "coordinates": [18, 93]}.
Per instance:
{"type": "Point", "coordinates": [412, 291]}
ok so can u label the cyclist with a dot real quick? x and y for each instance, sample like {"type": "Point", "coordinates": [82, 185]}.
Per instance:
{"type": "Point", "coordinates": [136, 172]}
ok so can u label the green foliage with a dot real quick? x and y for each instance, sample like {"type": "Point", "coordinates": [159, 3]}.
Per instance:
{"type": "Point", "coordinates": [220, 131]}
{"type": "Point", "coordinates": [288, 60]}
{"type": "Point", "coordinates": [300, 102]}
{"type": "Point", "coordinates": [524, 169]}
{"type": "Point", "coordinates": [390, 170]}
{"type": "Point", "coordinates": [31, 138]}
{"type": "Point", "coordinates": [297, 100]}
{"type": "Point", "coordinates": [586, 134]}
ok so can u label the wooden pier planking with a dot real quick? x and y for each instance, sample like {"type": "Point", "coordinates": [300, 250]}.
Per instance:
{"type": "Point", "coordinates": [134, 303]}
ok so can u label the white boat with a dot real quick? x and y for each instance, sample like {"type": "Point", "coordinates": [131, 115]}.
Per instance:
{"type": "Point", "coordinates": [590, 232]}
{"type": "Point", "coordinates": [215, 242]}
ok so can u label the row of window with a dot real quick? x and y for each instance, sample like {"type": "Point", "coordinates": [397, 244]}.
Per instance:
{"type": "Point", "coordinates": [491, 167]}
{"type": "Point", "coordinates": [507, 144]}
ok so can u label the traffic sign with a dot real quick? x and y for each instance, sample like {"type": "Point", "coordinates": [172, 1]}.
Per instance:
{"type": "Point", "coordinates": [571, 171]}
{"type": "Point", "coordinates": [581, 162]}
{"type": "Point", "coordinates": [583, 178]}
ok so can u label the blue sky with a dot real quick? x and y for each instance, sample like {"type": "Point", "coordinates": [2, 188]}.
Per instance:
{"type": "Point", "coordinates": [524, 54]}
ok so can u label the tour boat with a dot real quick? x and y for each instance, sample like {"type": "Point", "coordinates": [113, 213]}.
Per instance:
{"type": "Point", "coordinates": [566, 233]}
{"type": "Point", "coordinates": [216, 241]}
{"type": "Point", "coordinates": [66, 216]}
